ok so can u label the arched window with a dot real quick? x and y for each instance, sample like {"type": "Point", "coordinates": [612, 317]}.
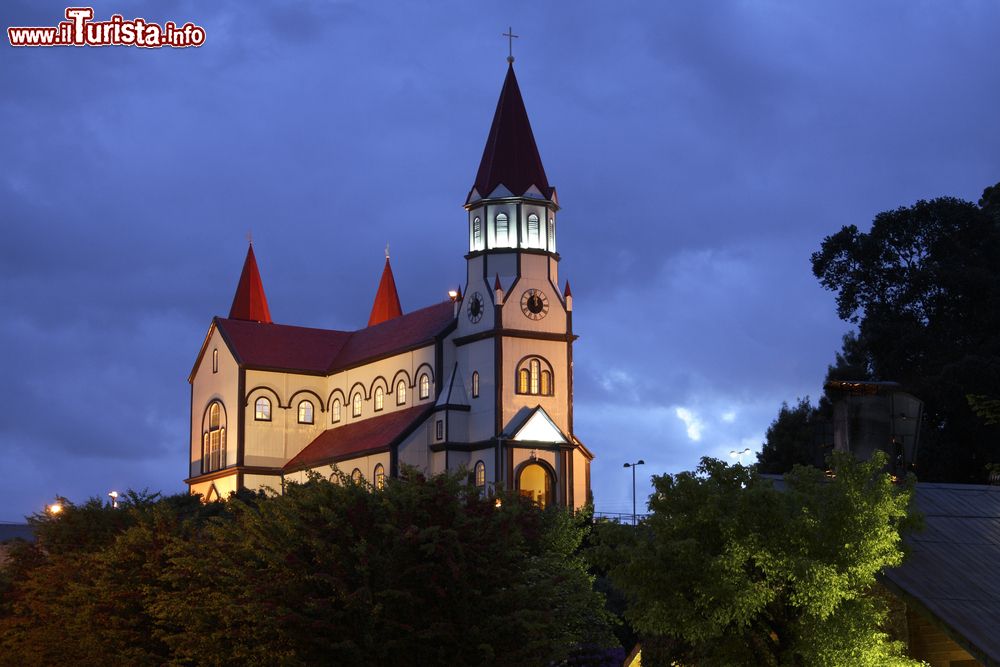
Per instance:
{"type": "Point", "coordinates": [480, 476]}
{"type": "Point", "coordinates": [475, 384]}
{"type": "Point", "coordinates": [502, 230]}
{"type": "Point", "coordinates": [262, 410]}
{"type": "Point", "coordinates": [379, 399]}
{"type": "Point", "coordinates": [213, 455]}
{"type": "Point", "coordinates": [379, 476]}
{"type": "Point", "coordinates": [356, 476]}
{"type": "Point", "coordinates": [356, 405]}
{"type": "Point", "coordinates": [534, 376]}
{"type": "Point", "coordinates": [477, 233]}
{"type": "Point", "coordinates": [305, 412]}
{"type": "Point", "coordinates": [425, 386]}
{"type": "Point", "coordinates": [335, 411]}
{"type": "Point", "coordinates": [533, 230]}
{"type": "Point", "coordinates": [401, 393]}
{"type": "Point", "coordinates": [215, 360]}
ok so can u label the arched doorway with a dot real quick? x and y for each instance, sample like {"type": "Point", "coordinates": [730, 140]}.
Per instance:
{"type": "Point", "coordinates": [535, 482]}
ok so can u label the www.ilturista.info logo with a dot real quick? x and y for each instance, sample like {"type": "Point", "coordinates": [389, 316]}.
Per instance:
{"type": "Point", "coordinates": [80, 30]}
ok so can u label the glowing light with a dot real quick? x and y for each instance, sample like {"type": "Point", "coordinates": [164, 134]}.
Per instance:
{"type": "Point", "coordinates": [453, 294]}
{"type": "Point", "coordinates": [55, 508]}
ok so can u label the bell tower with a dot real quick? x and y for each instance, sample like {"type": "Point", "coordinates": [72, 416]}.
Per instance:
{"type": "Point", "coordinates": [514, 333]}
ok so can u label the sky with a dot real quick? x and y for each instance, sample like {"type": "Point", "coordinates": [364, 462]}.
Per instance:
{"type": "Point", "coordinates": [702, 151]}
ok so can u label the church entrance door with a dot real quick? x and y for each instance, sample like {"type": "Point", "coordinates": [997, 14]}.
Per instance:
{"type": "Point", "coordinates": [535, 482]}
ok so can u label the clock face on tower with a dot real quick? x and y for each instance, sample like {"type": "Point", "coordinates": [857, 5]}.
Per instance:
{"type": "Point", "coordinates": [534, 305]}
{"type": "Point", "coordinates": [476, 308]}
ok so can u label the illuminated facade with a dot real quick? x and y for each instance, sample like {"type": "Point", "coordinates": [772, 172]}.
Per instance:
{"type": "Point", "coordinates": [482, 382]}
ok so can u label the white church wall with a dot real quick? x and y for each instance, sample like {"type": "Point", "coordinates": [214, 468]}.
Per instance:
{"type": "Point", "coordinates": [273, 443]}
{"type": "Point", "coordinates": [267, 483]}
{"type": "Point", "coordinates": [580, 466]}
{"type": "Point", "coordinates": [223, 486]}
{"type": "Point", "coordinates": [554, 352]}
{"type": "Point", "coordinates": [473, 357]}
{"type": "Point", "coordinates": [208, 386]}
{"type": "Point", "coordinates": [413, 451]}
{"type": "Point", "coordinates": [535, 275]}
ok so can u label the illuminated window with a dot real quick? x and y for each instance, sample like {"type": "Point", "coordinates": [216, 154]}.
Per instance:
{"type": "Point", "coordinates": [356, 476]}
{"type": "Point", "coordinates": [215, 360]}
{"type": "Point", "coordinates": [356, 406]}
{"type": "Point", "coordinates": [262, 410]}
{"type": "Point", "coordinates": [379, 399]}
{"type": "Point", "coordinates": [401, 393]}
{"type": "Point", "coordinates": [503, 229]}
{"type": "Point", "coordinates": [477, 232]}
{"type": "Point", "coordinates": [425, 386]}
{"type": "Point", "coordinates": [480, 475]}
{"type": "Point", "coordinates": [439, 429]}
{"type": "Point", "coordinates": [379, 477]}
{"type": "Point", "coordinates": [213, 442]}
{"type": "Point", "coordinates": [532, 230]}
{"type": "Point", "coordinates": [475, 384]}
{"type": "Point", "coordinates": [305, 412]}
{"type": "Point", "coordinates": [534, 376]}
{"type": "Point", "coordinates": [552, 234]}
{"type": "Point", "coordinates": [335, 411]}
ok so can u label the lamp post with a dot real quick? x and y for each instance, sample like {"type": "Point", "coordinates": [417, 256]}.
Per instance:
{"type": "Point", "coordinates": [739, 455]}
{"type": "Point", "coordinates": [640, 462]}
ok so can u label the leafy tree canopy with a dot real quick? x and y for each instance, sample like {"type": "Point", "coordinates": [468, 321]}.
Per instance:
{"type": "Point", "coordinates": [424, 571]}
{"type": "Point", "coordinates": [923, 289]}
{"type": "Point", "coordinates": [731, 570]}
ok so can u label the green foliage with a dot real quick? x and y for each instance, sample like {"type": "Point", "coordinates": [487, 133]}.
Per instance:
{"type": "Point", "coordinates": [791, 438]}
{"type": "Point", "coordinates": [423, 572]}
{"type": "Point", "coordinates": [730, 570]}
{"type": "Point", "coordinates": [923, 289]}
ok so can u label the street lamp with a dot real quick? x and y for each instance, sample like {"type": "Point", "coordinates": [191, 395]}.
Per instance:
{"type": "Point", "coordinates": [114, 499]}
{"type": "Point", "coordinates": [739, 455]}
{"type": "Point", "coordinates": [640, 462]}
{"type": "Point", "coordinates": [55, 508]}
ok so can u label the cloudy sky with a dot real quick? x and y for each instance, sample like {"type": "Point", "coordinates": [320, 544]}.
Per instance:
{"type": "Point", "coordinates": [701, 151]}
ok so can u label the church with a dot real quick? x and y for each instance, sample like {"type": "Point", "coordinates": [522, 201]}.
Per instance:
{"type": "Point", "coordinates": [481, 382]}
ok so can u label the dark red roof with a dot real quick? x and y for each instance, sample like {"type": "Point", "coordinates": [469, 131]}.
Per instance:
{"type": "Point", "coordinates": [249, 303]}
{"type": "Point", "coordinates": [362, 437]}
{"type": "Point", "coordinates": [511, 156]}
{"type": "Point", "coordinates": [386, 305]}
{"type": "Point", "coordinates": [323, 351]}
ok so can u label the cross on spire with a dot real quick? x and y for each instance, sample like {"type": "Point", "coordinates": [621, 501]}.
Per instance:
{"type": "Point", "coordinates": [510, 43]}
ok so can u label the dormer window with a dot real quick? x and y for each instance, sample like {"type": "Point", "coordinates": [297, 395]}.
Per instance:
{"type": "Point", "coordinates": [477, 233]}
{"type": "Point", "coordinates": [305, 412]}
{"type": "Point", "coordinates": [533, 230]}
{"type": "Point", "coordinates": [401, 393]}
{"type": "Point", "coordinates": [502, 230]}
{"type": "Point", "coordinates": [534, 377]}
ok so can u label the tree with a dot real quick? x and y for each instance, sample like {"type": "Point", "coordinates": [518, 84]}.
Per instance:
{"type": "Point", "coordinates": [730, 569]}
{"type": "Point", "coordinates": [791, 438]}
{"type": "Point", "coordinates": [923, 289]}
{"type": "Point", "coordinates": [424, 571]}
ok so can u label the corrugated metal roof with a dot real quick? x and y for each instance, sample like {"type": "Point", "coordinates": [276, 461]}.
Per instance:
{"type": "Point", "coordinates": [951, 569]}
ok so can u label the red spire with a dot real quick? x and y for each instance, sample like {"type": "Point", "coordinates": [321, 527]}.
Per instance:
{"type": "Point", "coordinates": [250, 302]}
{"type": "Point", "coordinates": [496, 283]}
{"type": "Point", "coordinates": [386, 306]}
{"type": "Point", "coordinates": [567, 291]}
{"type": "Point", "coordinates": [511, 156]}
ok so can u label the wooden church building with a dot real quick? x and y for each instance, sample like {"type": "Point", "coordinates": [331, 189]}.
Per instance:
{"type": "Point", "coordinates": [481, 382]}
